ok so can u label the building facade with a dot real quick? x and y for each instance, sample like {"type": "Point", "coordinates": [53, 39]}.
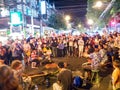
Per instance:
{"type": "Point", "coordinates": [31, 15]}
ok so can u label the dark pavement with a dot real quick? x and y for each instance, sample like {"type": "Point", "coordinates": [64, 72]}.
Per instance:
{"type": "Point", "coordinates": [74, 64]}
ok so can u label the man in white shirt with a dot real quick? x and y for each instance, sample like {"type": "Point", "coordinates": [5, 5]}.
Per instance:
{"type": "Point", "coordinates": [80, 46]}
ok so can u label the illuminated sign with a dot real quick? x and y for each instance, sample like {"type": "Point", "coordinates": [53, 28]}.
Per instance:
{"type": "Point", "coordinates": [43, 7]}
{"type": "Point", "coordinates": [16, 18]}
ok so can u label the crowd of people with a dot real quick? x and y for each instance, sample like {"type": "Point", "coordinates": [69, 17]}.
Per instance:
{"type": "Point", "coordinates": [101, 50]}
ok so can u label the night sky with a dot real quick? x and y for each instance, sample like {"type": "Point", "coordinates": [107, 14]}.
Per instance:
{"type": "Point", "coordinates": [74, 8]}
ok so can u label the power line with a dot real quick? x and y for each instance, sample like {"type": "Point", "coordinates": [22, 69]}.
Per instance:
{"type": "Point", "coordinates": [73, 9]}
{"type": "Point", "coordinates": [61, 1]}
{"type": "Point", "coordinates": [71, 6]}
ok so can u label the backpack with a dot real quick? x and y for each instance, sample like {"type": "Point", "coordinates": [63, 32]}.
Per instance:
{"type": "Point", "coordinates": [77, 81]}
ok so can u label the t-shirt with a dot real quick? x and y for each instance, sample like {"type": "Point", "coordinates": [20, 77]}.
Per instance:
{"type": "Point", "coordinates": [80, 42]}
{"type": "Point", "coordinates": [95, 60]}
{"type": "Point", "coordinates": [44, 49]}
{"type": "Point", "coordinates": [70, 43]}
{"type": "Point", "coordinates": [116, 78]}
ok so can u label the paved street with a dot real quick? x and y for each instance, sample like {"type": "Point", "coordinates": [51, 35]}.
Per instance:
{"type": "Point", "coordinates": [74, 63]}
{"type": "Point", "coordinates": [32, 32]}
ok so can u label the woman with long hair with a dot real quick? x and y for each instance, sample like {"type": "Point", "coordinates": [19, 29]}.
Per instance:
{"type": "Point", "coordinates": [7, 79]}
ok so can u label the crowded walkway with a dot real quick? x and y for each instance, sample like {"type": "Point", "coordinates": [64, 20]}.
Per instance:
{"type": "Point", "coordinates": [101, 52]}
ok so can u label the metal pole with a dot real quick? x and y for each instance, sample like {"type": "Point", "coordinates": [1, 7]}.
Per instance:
{"type": "Point", "coordinates": [41, 26]}
{"type": "Point", "coordinates": [23, 15]}
{"type": "Point", "coordinates": [115, 23]}
{"type": "Point", "coordinates": [107, 9]}
{"type": "Point", "coordinates": [32, 22]}
{"type": "Point", "coordinates": [41, 21]}
{"type": "Point", "coordinates": [101, 17]}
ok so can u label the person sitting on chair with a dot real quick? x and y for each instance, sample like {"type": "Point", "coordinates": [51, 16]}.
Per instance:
{"type": "Point", "coordinates": [34, 59]}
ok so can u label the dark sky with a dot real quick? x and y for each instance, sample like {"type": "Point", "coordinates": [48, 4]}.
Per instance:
{"type": "Point", "coordinates": [75, 8]}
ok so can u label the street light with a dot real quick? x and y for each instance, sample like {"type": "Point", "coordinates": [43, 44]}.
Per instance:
{"type": "Point", "coordinates": [90, 22]}
{"type": "Point", "coordinates": [79, 26]}
{"type": "Point", "coordinates": [67, 18]}
{"type": "Point", "coordinates": [98, 4]}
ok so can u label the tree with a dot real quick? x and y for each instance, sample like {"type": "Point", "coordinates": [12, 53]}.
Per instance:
{"type": "Point", "coordinates": [115, 8]}
{"type": "Point", "coordinates": [57, 21]}
{"type": "Point", "coordinates": [78, 24]}
{"type": "Point", "coordinates": [94, 14]}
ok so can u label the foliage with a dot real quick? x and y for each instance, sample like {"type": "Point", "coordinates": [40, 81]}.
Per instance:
{"type": "Point", "coordinates": [57, 21]}
{"type": "Point", "coordinates": [116, 7]}
{"type": "Point", "coordinates": [94, 13]}
{"type": "Point", "coordinates": [78, 24]}
{"type": "Point", "coordinates": [76, 21]}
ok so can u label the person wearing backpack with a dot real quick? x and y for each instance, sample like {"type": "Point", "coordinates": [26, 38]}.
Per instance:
{"type": "Point", "coordinates": [64, 78]}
